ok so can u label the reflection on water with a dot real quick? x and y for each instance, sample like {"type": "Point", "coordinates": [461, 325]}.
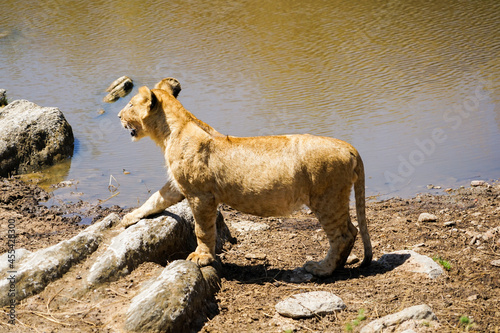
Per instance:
{"type": "Point", "coordinates": [414, 86]}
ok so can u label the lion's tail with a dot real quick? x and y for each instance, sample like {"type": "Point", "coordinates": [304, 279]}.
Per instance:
{"type": "Point", "coordinates": [359, 194]}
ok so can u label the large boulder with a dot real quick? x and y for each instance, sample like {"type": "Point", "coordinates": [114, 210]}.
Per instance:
{"type": "Point", "coordinates": [32, 137]}
{"type": "Point", "coordinates": [31, 272]}
{"type": "Point", "coordinates": [179, 300]}
{"type": "Point", "coordinates": [152, 239]}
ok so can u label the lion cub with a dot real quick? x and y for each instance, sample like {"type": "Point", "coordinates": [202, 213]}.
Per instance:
{"type": "Point", "coordinates": [265, 176]}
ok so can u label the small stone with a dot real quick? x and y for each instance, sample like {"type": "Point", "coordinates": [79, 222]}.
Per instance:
{"type": "Point", "coordinates": [418, 314]}
{"type": "Point", "coordinates": [120, 87]}
{"type": "Point", "coordinates": [449, 223]}
{"type": "Point", "coordinates": [488, 235]}
{"type": "Point", "coordinates": [476, 183]}
{"type": "Point", "coordinates": [472, 297]}
{"type": "Point", "coordinates": [426, 217]}
{"type": "Point", "coordinates": [352, 259]}
{"type": "Point", "coordinates": [495, 263]}
{"type": "Point", "coordinates": [101, 111]}
{"type": "Point", "coordinates": [309, 304]}
{"type": "Point", "coordinates": [255, 256]}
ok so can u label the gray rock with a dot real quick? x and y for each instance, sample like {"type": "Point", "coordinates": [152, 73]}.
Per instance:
{"type": "Point", "coordinates": [352, 259]}
{"type": "Point", "coordinates": [411, 261]}
{"type": "Point", "coordinates": [175, 301]}
{"type": "Point", "coordinates": [309, 304]}
{"type": "Point", "coordinates": [426, 217]}
{"type": "Point", "coordinates": [34, 271]}
{"type": "Point", "coordinates": [32, 137]}
{"type": "Point", "coordinates": [256, 256]}
{"type": "Point", "coordinates": [476, 183]}
{"type": "Point", "coordinates": [412, 316]}
{"type": "Point", "coordinates": [120, 87]}
{"type": "Point", "coordinates": [151, 240]}
{"type": "Point", "coordinates": [3, 97]}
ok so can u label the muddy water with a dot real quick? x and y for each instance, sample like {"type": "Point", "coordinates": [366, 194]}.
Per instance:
{"type": "Point", "coordinates": [414, 86]}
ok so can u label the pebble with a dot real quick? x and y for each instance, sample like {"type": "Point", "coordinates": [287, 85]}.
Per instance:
{"type": "Point", "coordinates": [310, 304]}
{"type": "Point", "coordinates": [421, 314]}
{"type": "Point", "coordinates": [255, 256]}
{"type": "Point", "coordinates": [449, 223]}
{"type": "Point", "coordinates": [121, 87]}
{"type": "Point", "coordinates": [427, 217]}
{"type": "Point", "coordinates": [352, 259]}
{"type": "Point", "coordinates": [476, 183]}
{"type": "Point", "coordinates": [495, 263]}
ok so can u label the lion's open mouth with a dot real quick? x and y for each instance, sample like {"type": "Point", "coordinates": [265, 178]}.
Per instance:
{"type": "Point", "coordinates": [133, 131]}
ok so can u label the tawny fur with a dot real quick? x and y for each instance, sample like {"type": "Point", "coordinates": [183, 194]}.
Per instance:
{"type": "Point", "coordinates": [265, 176]}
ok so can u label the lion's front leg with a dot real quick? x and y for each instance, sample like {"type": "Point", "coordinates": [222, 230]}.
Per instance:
{"type": "Point", "coordinates": [204, 210]}
{"type": "Point", "coordinates": [158, 202]}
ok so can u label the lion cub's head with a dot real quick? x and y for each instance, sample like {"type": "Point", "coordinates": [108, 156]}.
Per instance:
{"type": "Point", "coordinates": [142, 108]}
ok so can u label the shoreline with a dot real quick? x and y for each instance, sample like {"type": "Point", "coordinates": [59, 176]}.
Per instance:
{"type": "Point", "coordinates": [257, 270]}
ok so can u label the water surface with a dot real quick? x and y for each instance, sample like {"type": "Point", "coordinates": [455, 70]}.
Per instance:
{"type": "Point", "coordinates": [413, 86]}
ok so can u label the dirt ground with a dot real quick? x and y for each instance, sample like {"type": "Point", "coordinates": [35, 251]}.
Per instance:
{"type": "Point", "coordinates": [257, 269]}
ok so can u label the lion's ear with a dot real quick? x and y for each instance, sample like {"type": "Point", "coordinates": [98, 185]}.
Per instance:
{"type": "Point", "coordinates": [148, 97]}
{"type": "Point", "coordinates": [170, 85]}
{"type": "Point", "coordinates": [145, 93]}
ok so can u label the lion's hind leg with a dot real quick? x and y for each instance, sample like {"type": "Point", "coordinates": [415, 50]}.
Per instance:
{"type": "Point", "coordinates": [341, 235]}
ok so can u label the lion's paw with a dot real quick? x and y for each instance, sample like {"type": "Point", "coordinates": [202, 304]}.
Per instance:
{"type": "Point", "coordinates": [128, 220]}
{"type": "Point", "coordinates": [318, 268]}
{"type": "Point", "coordinates": [201, 259]}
